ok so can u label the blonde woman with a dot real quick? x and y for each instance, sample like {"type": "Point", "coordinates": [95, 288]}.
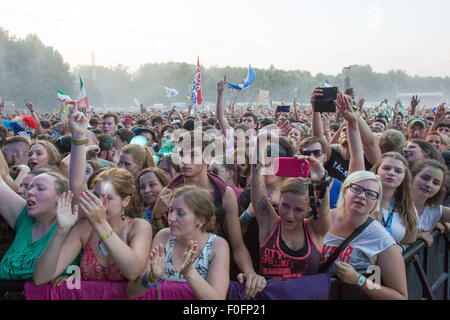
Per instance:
{"type": "Point", "coordinates": [360, 198]}
{"type": "Point", "coordinates": [397, 213]}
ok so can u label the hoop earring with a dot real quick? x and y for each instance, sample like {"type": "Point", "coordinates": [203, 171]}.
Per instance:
{"type": "Point", "coordinates": [123, 216]}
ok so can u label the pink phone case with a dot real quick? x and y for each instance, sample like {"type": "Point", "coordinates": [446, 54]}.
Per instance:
{"type": "Point", "coordinates": [291, 167]}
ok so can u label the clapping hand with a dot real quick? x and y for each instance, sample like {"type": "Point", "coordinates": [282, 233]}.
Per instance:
{"type": "Point", "coordinates": [65, 217]}
{"type": "Point", "coordinates": [188, 257]}
{"type": "Point", "coordinates": [157, 263]}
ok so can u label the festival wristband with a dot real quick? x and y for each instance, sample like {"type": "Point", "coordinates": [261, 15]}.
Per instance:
{"type": "Point", "coordinates": [361, 281]}
{"type": "Point", "coordinates": [78, 142]}
{"type": "Point", "coordinates": [107, 236]}
{"type": "Point", "coordinates": [147, 281]}
{"type": "Point", "coordinates": [247, 216]}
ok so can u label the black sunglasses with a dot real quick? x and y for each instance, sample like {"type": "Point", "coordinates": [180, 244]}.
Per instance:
{"type": "Point", "coordinates": [316, 153]}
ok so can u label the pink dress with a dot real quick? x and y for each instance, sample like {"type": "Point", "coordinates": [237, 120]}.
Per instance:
{"type": "Point", "coordinates": [93, 270]}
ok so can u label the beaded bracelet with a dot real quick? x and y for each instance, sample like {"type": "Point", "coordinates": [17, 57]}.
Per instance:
{"type": "Point", "coordinates": [79, 142]}
{"type": "Point", "coordinates": [108, 235]}
{"type": "Point", "coordinates": [148, 283]}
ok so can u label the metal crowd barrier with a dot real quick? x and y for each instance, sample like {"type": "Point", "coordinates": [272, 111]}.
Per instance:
{"type": "Point", "coordinates": [427, 270]}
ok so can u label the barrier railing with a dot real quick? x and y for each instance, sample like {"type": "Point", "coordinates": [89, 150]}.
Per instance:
{"type": "Point", "coordinates": [427, 270]}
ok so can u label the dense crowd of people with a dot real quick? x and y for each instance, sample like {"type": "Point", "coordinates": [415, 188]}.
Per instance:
{"type": "Point", "coordinates": [194, 197]}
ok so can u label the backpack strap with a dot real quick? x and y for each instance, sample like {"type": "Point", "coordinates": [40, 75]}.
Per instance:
{"type": "Point", "coordinates": [324, 267]}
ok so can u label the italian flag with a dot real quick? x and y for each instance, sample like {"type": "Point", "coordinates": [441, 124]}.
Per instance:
{"type": "Point", "coordinates": [64, 97]}
{"type": "Point", "coordinates": [82, 98]}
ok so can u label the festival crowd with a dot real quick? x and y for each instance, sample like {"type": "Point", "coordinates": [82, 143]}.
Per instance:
{"type": "Point", "coordinates": [192, 198]}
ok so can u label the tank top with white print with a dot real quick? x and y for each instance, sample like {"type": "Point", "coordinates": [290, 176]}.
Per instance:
{"type": "Point", "coordinates": [361, 251]}
{"type": "Point", "coordinates": [429, 218]}
{"type": "Point", "coordinates": [201, 264]}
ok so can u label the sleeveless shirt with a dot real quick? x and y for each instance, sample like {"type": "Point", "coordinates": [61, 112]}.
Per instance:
{"type": "Point", "coordinates": [277, 264]}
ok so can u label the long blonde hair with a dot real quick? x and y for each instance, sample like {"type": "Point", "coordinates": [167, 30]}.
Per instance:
{"type": "Point", "coordinates": [355, 177]}
{"type": "Point", "coordinates": [403, 196]}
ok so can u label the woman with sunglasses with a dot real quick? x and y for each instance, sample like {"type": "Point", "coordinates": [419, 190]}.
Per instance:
{"type": "Point", "coordinates": [358, 200]}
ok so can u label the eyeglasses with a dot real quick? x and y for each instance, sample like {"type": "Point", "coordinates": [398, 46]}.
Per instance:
{"type": "Point", "coordinates": [316, 153]}
{"type": "Point", "coordinates": [370, 194]}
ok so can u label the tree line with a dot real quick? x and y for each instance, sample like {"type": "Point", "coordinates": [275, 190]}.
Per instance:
{"type": "Point", "coordinates": [31, 70]}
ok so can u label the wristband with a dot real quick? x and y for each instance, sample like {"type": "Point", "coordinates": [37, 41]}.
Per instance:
{"type": "Point", "coordinates": [361, 281]}
{"type": "Point", "coordinates": [157, 219]}
{"type": "Point", "coordinates": [78, 142]}
{"type": "Point", "coordinates": [107, 236]}
{"type": "Point", "coordinates": [148, 283]}
{"type": "Point", "coordinates": [246, 216]}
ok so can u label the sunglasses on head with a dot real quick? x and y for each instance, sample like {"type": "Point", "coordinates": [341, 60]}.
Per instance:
{"type": "Point", "coordinates": [316, 153]}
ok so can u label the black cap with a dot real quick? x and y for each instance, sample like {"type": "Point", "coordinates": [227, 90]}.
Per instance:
{"type": "Point", "coordinates": [138, 130]}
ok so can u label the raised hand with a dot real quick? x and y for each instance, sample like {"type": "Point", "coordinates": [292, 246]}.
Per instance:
{"type": "Point", "coordinates": [157, 263]}
{"type": "Point", "coordinates": [414, 101]}
{"type": "Point", "coordinates": [440, 113]}
{"type": "Point", "coordinates": [65, 217]}
{"type": "Point", "coordinates": [162, 204]}
{"type": "Point", "coordinates": [316, 93]}
{"type": "Point", "coordinates": [316, 168]}
{"type": "Point", "coordinates": [222, 85]}
{"type": "Point", "coordinates": [343, 103]}
{"type": "Point", "coordinates": [94, 209]}
{"type": "Point", "coordinates": [361, 103]}
{"type": "Point", "coordinates": [78, 124]}
{"type": "Point", "coordinates": [30, 106]}
{"type": "Point", "coordinates": [188, 257]}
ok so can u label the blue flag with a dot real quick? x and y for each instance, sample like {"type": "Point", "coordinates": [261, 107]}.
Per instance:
{"type": "Point", "coordinates": [247, 81]}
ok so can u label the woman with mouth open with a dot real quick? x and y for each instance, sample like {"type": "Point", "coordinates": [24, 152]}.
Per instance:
{"type": "Point", "coordinates": [114, 241]}
{"type": "Point", "coordinates": [429, 187]}
{"type": "Point", "coordinates": [416, 150]}
{"type": "Point", "coordinates": [33, 220]}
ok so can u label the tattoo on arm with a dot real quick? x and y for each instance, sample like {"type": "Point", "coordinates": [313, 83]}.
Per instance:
{"type": "Point", "coordinates": [264, 207]}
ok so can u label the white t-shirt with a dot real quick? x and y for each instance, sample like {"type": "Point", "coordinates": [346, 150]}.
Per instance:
{"type": "Point", "coordinates": [361, 251]}
{"type": "Point", "coordinates": [429, 218]}
{"type": "Point", "coordinates": [397, 227]}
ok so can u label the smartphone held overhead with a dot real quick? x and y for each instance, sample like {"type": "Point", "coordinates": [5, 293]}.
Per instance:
{"type": "Point", "coordinates": [325, 103]}
{"type": "Point", "coordinates": [283, 109]}
{"type": "Point", "coordinates": [291, 167]}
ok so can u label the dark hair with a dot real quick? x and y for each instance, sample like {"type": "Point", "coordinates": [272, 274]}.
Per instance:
{"type": "Point", "coordinates": [438, 199]}
{"type": "Point", "coordinates": [430, 151]}
{"type": "Point", "coordinates": [309, 141]}
{"type": "Point", "coordinates": [159, 174]}
{"type": "Point", "coordinates": [124, 135]}
{"type": "Point", "coordinates": [442, 125]}
{"type": "Point", "coordinates": [165, 128]}
{"type": "Point", "coordinates": [142, 122]}
{"type": "Point", "coordinates": [45, 124]}
{"type": "Point", "coordinates": [168, 158]}
{"type": "Point", "coordinates": [250, 114]}
{"type": "Point", "coordinates": [157, 119]}
{"type": "Point", "coordinates": [266, 122]}
{"type": "Point", "coordinates": [189, 125]}
{"type": "Point", "coordinates": [112, 115]}
{"type": "Point", "coordinates": [64, 144]}
{"type": "Point", "coordinates": [105, 142]}
{"type": "Point", "coordinates": [93, 121]}
{"type": "Point", "coordinates": [45, 137]}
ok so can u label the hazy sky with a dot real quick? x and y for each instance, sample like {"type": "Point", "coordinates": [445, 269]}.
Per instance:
{"type": "Point", "coordinates": [318, 36]}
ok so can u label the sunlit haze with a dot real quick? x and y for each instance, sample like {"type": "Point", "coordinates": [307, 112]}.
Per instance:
{"type": "Point", "coordinates": [322, 36]}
